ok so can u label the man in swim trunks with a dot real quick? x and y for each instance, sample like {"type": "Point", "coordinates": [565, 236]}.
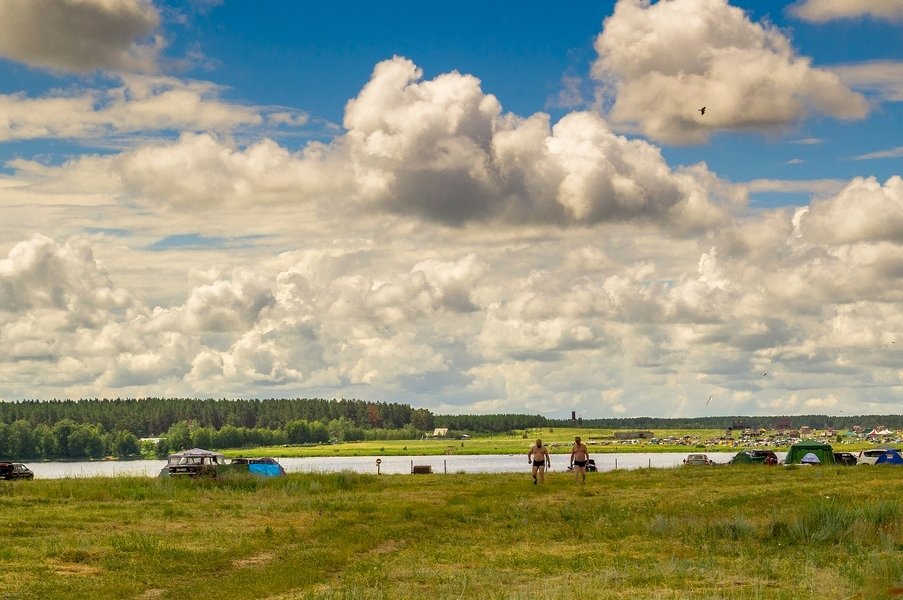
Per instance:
{"type": "Point", "coordinates": [579, 460]}
{"type": "Point", "coordinates": [538, 456]}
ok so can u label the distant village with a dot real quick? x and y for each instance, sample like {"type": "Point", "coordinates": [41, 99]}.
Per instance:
{"type": "Point", "coordinates": [747, 437]}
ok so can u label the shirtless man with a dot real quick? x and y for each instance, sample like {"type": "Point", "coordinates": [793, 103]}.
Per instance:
{"type": "Point", "coordinates": [579, 459]}
{"type": "Point", "coordinates": [538, 456]}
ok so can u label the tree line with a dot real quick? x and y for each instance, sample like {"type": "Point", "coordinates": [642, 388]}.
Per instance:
{"type": "Point", "coordinates": [95, 428]}
{"type": "Point", "coordinates": [65, 439]}
{"type": "Point", "coordinates": [499, 423]}
{"type": "Point", "coordinates": [68, 440]}
{"type": "Point", "coordinates": [147, 417]}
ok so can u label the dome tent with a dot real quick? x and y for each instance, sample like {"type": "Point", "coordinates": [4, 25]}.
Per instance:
{"type": "Point", "coordinates": [890, 457]}
{"type": "Point", "coordinates": [810, 459]}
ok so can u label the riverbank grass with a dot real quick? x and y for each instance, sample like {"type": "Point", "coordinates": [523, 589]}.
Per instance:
{"type": "Point", "coordinates": [559, 440]}
{"type": "Point", "coordinates": [724, 532]}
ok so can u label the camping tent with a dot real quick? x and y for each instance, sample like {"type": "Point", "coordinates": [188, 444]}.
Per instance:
{"type": "Point", "coordinates": [890, 457]}
{"type": "Point", "coordinates": [820, 449]}
{"type": "Point", "coordinates": [810, 459]}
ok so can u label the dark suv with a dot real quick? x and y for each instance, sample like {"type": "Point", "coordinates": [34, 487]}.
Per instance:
{"type": "Point", "coordinates": [10, 470]}
{"type": "Point", "coordinates": [845, 458]}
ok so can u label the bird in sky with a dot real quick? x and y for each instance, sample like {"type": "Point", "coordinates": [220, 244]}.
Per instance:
{"type": "Point", "coordinates": [702, 110]}
{"type": "Point", "coordinates": [710, 399]}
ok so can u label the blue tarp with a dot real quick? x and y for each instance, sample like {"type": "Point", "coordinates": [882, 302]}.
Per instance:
{"type": "Point", "coordinates": [265, 470]}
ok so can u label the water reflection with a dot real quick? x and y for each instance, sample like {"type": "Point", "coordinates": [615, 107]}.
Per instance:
{"type": "Point", "coordinates": [492, 463]}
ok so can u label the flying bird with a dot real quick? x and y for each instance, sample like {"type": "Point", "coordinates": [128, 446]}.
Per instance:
{"type": "Point", "coordinates": [702, 110]}
{"type": "Point", "coordinates": [709, 400]}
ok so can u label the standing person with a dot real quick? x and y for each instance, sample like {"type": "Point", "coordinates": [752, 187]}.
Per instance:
{"type": "Point", "coordinates": [579, 459]}
{"type": "Point", "coordinates": [539, 457]}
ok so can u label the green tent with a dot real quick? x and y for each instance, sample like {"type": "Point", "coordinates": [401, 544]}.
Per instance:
{"type": "Point", "coordinates": [823, 451]}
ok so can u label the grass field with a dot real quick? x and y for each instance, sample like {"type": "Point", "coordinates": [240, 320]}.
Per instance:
{"type": "Point", "coordinates": [723, 532]}
{"type": "Point", "coordinates": [559, 440]}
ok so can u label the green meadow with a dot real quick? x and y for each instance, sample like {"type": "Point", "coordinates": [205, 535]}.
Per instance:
{"type": "Point", "coordinates": [685, 533]}
{"type": "Point", "coordinates": [559, 439]}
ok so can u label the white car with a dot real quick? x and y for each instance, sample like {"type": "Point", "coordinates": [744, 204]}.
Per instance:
{"type": "Point", "coordinates": [698, 459]}
{"type": "Point", "coordinates": [869, 457]}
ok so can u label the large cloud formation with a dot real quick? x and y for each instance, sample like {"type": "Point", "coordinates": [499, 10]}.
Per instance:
{"type": "Point", "coordinates": [592, 319]}
{"type": "Point", "coordinates": [443, 252]}
{"type": "Point", "coordinates": [81, 35]}
{"type": "Point", "coordinates": [440, 150]}
{"type": "Point", "coordinates": [663, 61]}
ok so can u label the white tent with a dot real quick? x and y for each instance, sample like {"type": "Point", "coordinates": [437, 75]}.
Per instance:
{"type": "Point", "coordinates": [810, 459]}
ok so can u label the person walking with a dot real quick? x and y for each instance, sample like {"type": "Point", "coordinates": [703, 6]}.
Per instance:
{"type": "Point", "coordinates": [539, 457]}
{"type": "Point", "coordinates": [579, 460]}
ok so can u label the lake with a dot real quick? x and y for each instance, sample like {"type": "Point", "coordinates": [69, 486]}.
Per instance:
{"type": "Point", "coordinates": [490, 463]}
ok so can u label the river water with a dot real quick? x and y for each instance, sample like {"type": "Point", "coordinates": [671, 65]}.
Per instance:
{"type": "Point", "coordinates": [490, 463]}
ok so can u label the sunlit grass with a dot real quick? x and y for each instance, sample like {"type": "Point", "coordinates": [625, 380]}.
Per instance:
{"type": "Point", "coordinates": [725, 532]}
{"type": "Point", "coordinates": [558, 439]}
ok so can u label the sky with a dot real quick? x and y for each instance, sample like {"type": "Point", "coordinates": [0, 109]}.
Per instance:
{"type": "Point", "coordinates": [504, 207]}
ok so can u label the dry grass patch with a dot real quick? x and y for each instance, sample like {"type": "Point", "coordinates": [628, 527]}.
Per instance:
{"type": "Point", "coordinates": [254, 561]}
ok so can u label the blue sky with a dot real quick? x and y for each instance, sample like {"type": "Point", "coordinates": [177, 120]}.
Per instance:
{"type": "Point", "coordinates": [474, 208]}
{"type": "Point", "coordinates": [315, 58]}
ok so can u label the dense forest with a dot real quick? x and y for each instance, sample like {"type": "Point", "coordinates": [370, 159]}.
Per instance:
{"type": "Point", "coordinates": [147, 417]}
{"type": "Point", "coordinates": [94, 428]}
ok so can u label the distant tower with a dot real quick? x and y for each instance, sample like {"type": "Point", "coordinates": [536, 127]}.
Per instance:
{"type": "Point", "coordinates": [573, 417]}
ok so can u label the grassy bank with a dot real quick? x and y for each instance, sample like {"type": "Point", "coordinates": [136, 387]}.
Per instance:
{"type": "Point", "coordinates": [727, 532]}
{"type": "Point", "coordinates": [559, 440]}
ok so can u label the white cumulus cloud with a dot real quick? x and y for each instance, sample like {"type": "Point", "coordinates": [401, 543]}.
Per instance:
{"type": "Point", "coordinates": [443, 150]}
{"type": "Point", "coordinates": [440, 150]}
{"type": "Point", "coordinates": [663, 61]}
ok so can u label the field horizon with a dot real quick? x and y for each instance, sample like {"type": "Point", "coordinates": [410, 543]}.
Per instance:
{"type": "Point", "coordinates": [741, 532]}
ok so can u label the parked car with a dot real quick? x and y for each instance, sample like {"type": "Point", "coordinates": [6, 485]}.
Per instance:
{"type": "Point", "coordinates": [755, 457]}
{"type": "Point", "coordinates": [890, 457]}
{"type": "Point", "coordinates": [698, 459]}
{"type": "Point", "coordinates": [845, 458]}
{"type": "Point", "coordinates": [10, 470]}
{"type": "Point", "coordinates": [871, 456]}
{"type": "Point", "coordinates": [193, 463]}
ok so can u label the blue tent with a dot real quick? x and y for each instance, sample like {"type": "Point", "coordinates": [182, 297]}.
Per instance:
{"type": "Point", "coordinates": [266, 470]}
{"type": "Point", "coordinates": [890, 457]}
{"type": "Point", "coordinates": [265, 467]}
